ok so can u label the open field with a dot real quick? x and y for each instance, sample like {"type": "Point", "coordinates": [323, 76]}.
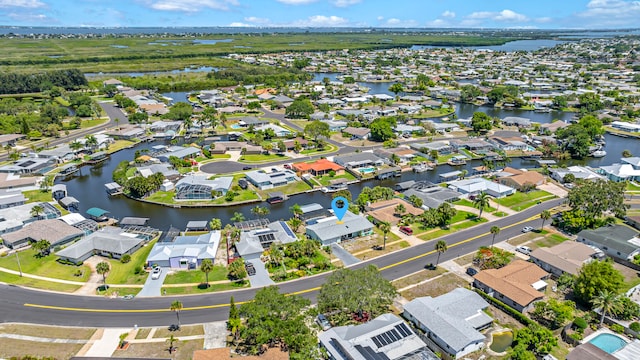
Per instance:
{"type": "Point", "coordinates": [18, 348]}
{"type": "Point", "coordinates": [436, 287]}
{"type": "Point", "coordinates": [159, 350]}
{"type": "Point", "coordinates": [53, 332]}
{"type": "Point", "coordinates": [521, 201]}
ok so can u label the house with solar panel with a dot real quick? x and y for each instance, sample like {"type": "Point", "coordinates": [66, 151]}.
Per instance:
{"type": "Point", "coordinates": [185, 252]}
{"type": "Point", "coordinates": [329, 230]}
{"type": "Point", "coordinates": [386, 337]}
{"type": "Point", "coordinates": [254, 242]}
{"type": "Point", "coordinates": [197, 187]}
{"type": "Point", "coordinates": [453, 321]}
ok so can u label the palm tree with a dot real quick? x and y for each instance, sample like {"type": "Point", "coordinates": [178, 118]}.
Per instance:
{"type": "Point", "coordinates": [400, 209]}
{"type": "Point", "coordinates": [545, 215]}
{"type": "Point", "coordinates": [237, 217]}
{"type": "Point", "coordinates": [481, 201]}
{"type": "Point", "coordinates": [608, 302]}
{"type": "Point", "coordinates": [171, 340]}
{"type": "Point", "coordinates": [37, 210]}
{"type": "Point", "coordinates": [441, 247]}
{"type": "Point", "coordinates": [91, 141]}
{"type": "Point", "coordinates": [42, 246]}
{"type": "Point", "coordinates": [296, 210]}
{"type": "Point", "coordinates": [76, 145]}
{"type": "Point", "coordinates": [385, 227]}
{"type": "Point", "coordinates": [206, 267]}
{"type": "Point", "coordinates": [177, 306]}
{"type": "Point", "coordinates": [102, 268]}
{"type": "Point", "coordinates": [495, 231]}
{"type": "Point", "coordinates": [463, 174]}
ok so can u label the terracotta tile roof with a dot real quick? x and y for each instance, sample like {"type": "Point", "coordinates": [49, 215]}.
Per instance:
{"type": "Point", "coordinates": [514, 281]}
{"type": "Point", "coordinates": [319, 165]}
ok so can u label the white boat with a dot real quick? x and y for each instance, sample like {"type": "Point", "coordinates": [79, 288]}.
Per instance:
{"type": "Point", "coordinates": [421, 168]}
{"type": "Point", "coordinates": [334, 188]}
{"type": "Point", "coordinates": [599, 153]}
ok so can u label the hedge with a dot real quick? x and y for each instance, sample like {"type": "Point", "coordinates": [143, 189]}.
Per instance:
{"type": "Point", "coordinates": [506, 308]}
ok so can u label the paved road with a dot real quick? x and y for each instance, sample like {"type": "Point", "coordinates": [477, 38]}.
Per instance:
{"type": "Point", "coordinates": [17, 304]}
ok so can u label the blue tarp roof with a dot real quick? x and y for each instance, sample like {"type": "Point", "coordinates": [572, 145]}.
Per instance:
{"type": "Point", "coordinates": [96, 212]}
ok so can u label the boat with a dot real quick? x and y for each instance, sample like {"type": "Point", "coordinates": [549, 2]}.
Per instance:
{"type": "Point", "coordinates": [598, 154]}
{"type": "Point", "coordinates": [542, 110]}
{"type": "Point", "coordinates": [457, 161]}
{"type": "Point", "coordinates": [333, 188]}
{"type": "Point", "coordinates": [422, 167]}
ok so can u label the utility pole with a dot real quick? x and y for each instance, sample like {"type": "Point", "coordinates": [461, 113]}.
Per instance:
{"type": "Point", "coordinates": [19, 266]}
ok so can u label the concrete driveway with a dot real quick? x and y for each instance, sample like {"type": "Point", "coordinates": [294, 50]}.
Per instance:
{"type": "Point", "coordinates": [153, 287]}
{"type": "Point", "coordinates": [261, 278]}
{"type": "Point", "coordinates": [344, 256]}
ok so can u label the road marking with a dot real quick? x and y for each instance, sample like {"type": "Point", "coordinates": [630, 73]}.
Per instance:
{"type": "Point", "coordinates": [204, 307]}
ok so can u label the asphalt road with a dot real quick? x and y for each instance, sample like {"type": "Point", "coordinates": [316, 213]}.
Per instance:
{"type": "Point", "coordinates": [29, 306]}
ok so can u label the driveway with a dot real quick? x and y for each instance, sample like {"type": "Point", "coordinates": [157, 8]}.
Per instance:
{"type": "Point", "coordinates": [221, 167]}
{"type": "Point", "coordinates": [153, 287]}
{"type": "Point", "coordinates": [344, 256]}
{"type": "Point", "coordinates": [261, 278]}
{"type": "Point", "coordinates": [553, 189]}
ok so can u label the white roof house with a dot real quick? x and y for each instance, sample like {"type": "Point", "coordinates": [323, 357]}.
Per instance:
{"type": "Point", "coordinates": [330, 230]}
{"type": "Point", "coordinates": [452, 320]}
{"type": "Point", "coordinates": [620, 172]}
{"type": "Point", "coordinates": [478, 185]}
{"type": "Point", "coordinates": [185, 252]}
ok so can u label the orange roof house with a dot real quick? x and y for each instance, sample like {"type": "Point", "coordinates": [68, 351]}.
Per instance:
{"type": "Point", "coordinates": [318, 167]}
{"type": "Point", "coordinates": [520, 178]}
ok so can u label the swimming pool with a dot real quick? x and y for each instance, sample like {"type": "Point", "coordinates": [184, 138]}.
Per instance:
{"type": "Point", "coordinates": [367, 170]}
{"type": "Point", "coordinates": [236, 126]}
{"type": "Point", "coordinates": [608, 342]}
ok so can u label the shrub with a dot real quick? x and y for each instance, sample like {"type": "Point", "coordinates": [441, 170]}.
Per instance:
{"type": "Point", "coordinates": [576, 336]}
{"type": "Point", "coordinates": [617, 328]}
{"type": "Point", "coordinates": [635, 326]}
{"type": "Point", "coordinates": [138, 270]}
{"type": "Point", "coordinates": [77, 273]}
{"type": "Point", "coordinates": [580, 323]}
{"type": "Point", "coordinates": [125, 258]}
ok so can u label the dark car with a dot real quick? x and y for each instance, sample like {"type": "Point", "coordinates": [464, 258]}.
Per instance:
{"type": "Point", "coordinates": [247, 168]}
{"type": "Point", "coordinates": [471, 271]}
{"type": "Point", "coordinates": [243, 184]}
{"type": "Point", "coordinates": [323, 322]}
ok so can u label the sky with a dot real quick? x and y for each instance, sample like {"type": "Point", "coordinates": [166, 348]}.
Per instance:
{"type": "Point", "coordinates": [522, 14]}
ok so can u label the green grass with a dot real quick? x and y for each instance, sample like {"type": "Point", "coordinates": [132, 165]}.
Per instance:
{"type": "Point", "coordinates": [123, 273]}
{"type": "Point", "coordinates": [116, 291]}
{"type": "Point", "coordinates": [202, 290]}
{"type": "Point", "coordinates": [551, 240]}
{"type": "Point", "coordinates": [44, 266]}
{"type": "Point", "coordinates": [520, 201]}
{"type": "Point", "coordinates": [500, 214]}
{"type": "Point", "coordinates": [261, 158]}
{"type": "Point", "coordinates": [329, 148]}
{"type": "Point", "coordinates": [119, 145]}
{"type": "Point", "coordinates": [451, 229]}
{"type": "Point", "coordinates": [196, 276]}
{"type": "Point", "coordinates": [390, 236]}
{"type": "Point", "coordinates": [165, 197]}
{"type": "Point", "coordinates": [35, 283]}
{"type": "Point", "coordinates": [326, 179]}
{"type": "Point", "coordinates": [631, 186]}
{"type": "Point", "coordinates": [92, 122]}
{"type": "Point", "coordinates": [292, 188]}
{"type": "Point", "coordinates": [131, 172]}
{"type": "Point", "coordinates": [37, 196]}
{"type": "Point", "coordinates": [469, 203]}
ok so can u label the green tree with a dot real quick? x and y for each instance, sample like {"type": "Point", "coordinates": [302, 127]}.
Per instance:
{"type": "Point", "coordinates": [236, 270]}
{"type": "Point", "coordinates": [385, 227]}
{"type": "Point", "coordinates": [91, 142]}
{"type": "Point", "coordinates": [400, 210]}
{"type": "Point", "coordinates": [382, 129]}
{"type": "Point", "coordinates": [296, 210]}
{"type": "Point", "coordinates": [299, 108]}
{"type": "Point", "coordinates": [37, 210]}
{"type": "Point", "coordinates": [396, 88]}
{"type": "Point", "coordinates": [415, 200]}
{"type": "Point", "coordinates": [171, 340]}
{"type": "Point", "coordinates": [594, 277]}
{"type": "Point", "coordinates": [494, 231]}
{"type": "Point", "coordinates": [481, 122]}
{"type": "Point", "coordinates": [440, 248]}
{"type": "Point", "coordinates": [317, 129]}
{"type": "Point", "coordinates": [553, 313]}
{"type": "Point", "coordinates": [102, 268]}
{"type": "Point", "coordinates": [593, 198]}
{"type": "Point", "coordinates": [626, 153]}
{"type": "Point", "coordinates": [206, 267]}
{"type": "Point", "coordinates": [536, 339]}
{"type": "Point", "coordinates": [181, 111]}
{"type": "Point", "coordinates": [350, 292]}
{"type": "Point", "coordinates": [215, 224]}
{"type": "Point", "coordinates": [544, 215]}
{"type": "Point", "coordinates": [46, 183]}
{"type": "Point", "coordinates": [607, 301]}
{"type": "Point", "coordinates": [481, 201]}
{"type": "Point", "coordinates": [176, 306]}
{"type": "Point", "coordinates": [42, 246]}
{"type": "Point", "coordinates": [295, 224]}
{"type": "Point", "coordinates": [237, 217]}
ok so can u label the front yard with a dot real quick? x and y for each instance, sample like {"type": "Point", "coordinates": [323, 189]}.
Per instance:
{"type": "Point", "coordinates": [124, 273]}
{"type": "Point", "coordinates": [44, 266]}
{"type": "Point", "coordinates": [521, 201]}
{"type": "Point", "coordinates": [196, 276]}
{"type": "Point", "coordinates": [261, 158]}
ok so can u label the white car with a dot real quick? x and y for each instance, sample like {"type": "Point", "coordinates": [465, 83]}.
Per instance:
{"type": "Point", "coordinates": [155, 273]}
{"type": "Point", "coordinates": [524, 249]}
{"type": "Point", "coordinates": [527, 229]}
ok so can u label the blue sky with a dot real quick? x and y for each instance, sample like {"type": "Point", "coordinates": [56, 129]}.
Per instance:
{"type": "Point", "coordinates": [542, 14]}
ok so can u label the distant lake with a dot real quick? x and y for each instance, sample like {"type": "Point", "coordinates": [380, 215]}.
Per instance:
{"type": "Point", "coordinates": [518, 45]}
{"type": "Point", "coordinates": [168, 72]}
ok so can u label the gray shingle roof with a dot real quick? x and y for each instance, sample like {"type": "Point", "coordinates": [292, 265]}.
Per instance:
{"type": "Point", "coordinates": [614, 237]}
{"type": "Point", "coordinates": [109, 239]}
{"type": "Point", "coordinates": [331, 229]}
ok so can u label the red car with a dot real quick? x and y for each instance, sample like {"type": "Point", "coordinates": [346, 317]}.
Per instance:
{"type": "Point", "coordinates": [406, 230]}
{"type": "Point", "coordinates": [287, 166]}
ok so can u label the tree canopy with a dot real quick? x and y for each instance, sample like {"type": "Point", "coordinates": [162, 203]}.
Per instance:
{"type": "Point", "coordinates": [590, 200]}
{"type": "Point", "coordinates": [316, 129]}
{"type": "Point", "coordinates": [594, 277]}
{"type": "Point", "coordinates": [299, 108]}
{"type": "Point", "coordinates": [382, 129]}
{"type": "Point", "coordinates": [481, 122]}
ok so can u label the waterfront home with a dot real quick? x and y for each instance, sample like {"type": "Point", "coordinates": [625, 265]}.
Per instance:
{"type": "Point", "coordinates": [16, 217]}
{"type": "Point", "coordinates": [29, 165]}
{"type": "Point", "coordinates": [385, 211]}
{"type": "Point", "coordinates": [579, 172]}
{"type": "Point", "coordinates": [16, 182]}
{"type": "Point", "coordinates": [432, 196]}
{"type": "Point", "coordinates": [442, 147]}
{"type": "Point", "coordinates": [278, 130]}
{"type": "Point", "coordinates": [69, 203]}
{"type": "Point", "coordinates": [567, 257]}
{"type": "Point", "coordinates": [317, 168]}
{"type": "Point", "coordinates": [519, 179]}
{"type": "Point", "coordinates": [247, 121]}
{"type": "Point", "coordinates": [60, 153]}
{"type": "Point", "coordinates": [520, 122]}
{"type": "Point", "coordinates": [55, 231]}
{"type": "Point", "coordinates": [329, 230]}
{"type": "Point", "coordinates": [254, 242]}
{"type": "Point", "coordinates": [519, 284]}
{"type": "Point", "coordinates": [185, 252]}
{"type": "Point", "coordinates": [553, 126]}
{"type": "Point", "coordinates": [109, 241]}
{"type": "Point", "coordinates": [385, 337]}
{"type": "Point", "coordinates": [620, 172]}
{"type": "Point", "coordinates": [165, 169]}
{"type": "Point", "coordinates": [357, 133]}
{"type": "Point", "coordinates": [476, 186]}
{"type": "Point", "coordinates": [625, 126]}
{"type": "Point", "coordinates": [404, 129]}
{"type": "Point", "coordinates": [180, 152]}
{"type": "Point", "coordinates": [163, 128]}
{"type": "Point", "coordinates": [199, 187]}
{"type": "Point", "coordinates": [509, 143]}
{"type": "Point", "coordinates": [618, 241]}
{"type": "Point", "coordinates": [358, 160]}
{"type": "Point", "coordinates": [404, 154]}
{"type": "Point", "coordinates": [11, 198]}
{"type": "Point", "coordinates": [475, 145]}
{"type": "Point", "coordinates": [453, 321]}
{"type": "Point", "coordinates": [267, 180]}
{"type": "Point", "coordinates": [126, 132]}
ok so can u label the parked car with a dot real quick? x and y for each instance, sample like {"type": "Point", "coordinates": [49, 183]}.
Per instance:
{"type": "Point", "coordinates": [523, 249]}
{"type": "Point", "coordinates": [251, 270]}
{"type": "Point", "coordinates": [323, 322]}
{"type": "Point", "coordinates": [243, 184]}
{"type": "Point", "coordinates": [287, 166]}
{"type": "Point", "coordinates": [155, 273]}
{"type": "Point", "coordinates": [471, 271]}
{"type": "Point", "coordinates": [247, 168]}
{"type": "Point", "coordinates": [527, 229]}
{"type": "Point", "coordinates": [406, 230]}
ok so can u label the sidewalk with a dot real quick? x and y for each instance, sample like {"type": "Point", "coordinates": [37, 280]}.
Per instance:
{"type": "Point", "coordinates": [107, 344]}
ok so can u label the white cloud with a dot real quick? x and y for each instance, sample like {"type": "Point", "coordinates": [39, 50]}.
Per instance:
{"type": "Point", "coordinates": [543, 20]}
{"type": "Point", "coordinates": [481, 15]}
{"type": "Point", "coordinates": [240, 24]}
{"type": "Point", "coordinates": [504, 16]}
{"type": "Point", "coordinates": [610, 13]}
{"type": "Point", "coordinates": [393, 21]}
{"type": "Point", "coordinates": [344, 3]}
{"type": "Point", "coordinates": [509, 15]}
{"type": "Point", "coordinates": [30, 17]}
{"type": "Point", "coordinates": [448, 14]}
{"type": "Point", "coordinates": [438, 23]}
{"type": "Point", "coordinates": [191, 5]}
{"type": "Point", "coordinates": [29, 4]}
{"type": "Point", "coordinates": [297, 2]}
{"type": "Point", "coordinates": [329, 21]}
{"type": "Point", "coordinates": [257, 20]}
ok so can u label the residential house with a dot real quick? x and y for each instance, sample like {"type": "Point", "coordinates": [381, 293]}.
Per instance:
{"type": "Point", "coordinates": [478, 185]}
{"type": "Point", "coordinates": [478, 146]}
{"type": "Point", "coordinates": [200, 187]}
{"type": "Point", "coordinates": [404, 129]}
{"type": "Point", "coordinates": [521, 179]}
{"type": "Point", "coordinates": [509, 143]}
{"type": "Point", "coordinates": [335, 125]}
{"type": "Point", "coordinates": [15, 217]}
{"type": "Point", "coordinates": [579, 172]}
{"type": "Point", "coordinates": [29, 165]}
{"type": "Point", "coordinates": [252, 121]}
{"type": "Point", "coordinates": [404, 154]}
{"type": "Point", "coordinates": [358, 160]}
{"type": "Point", "coordinates": [290, 145]}
{"type": "Point", "coordinates": [633, 161]}
{"type": "Point", "coordinates": [386, 337]}
{"type": "Point", "coordinates": [432, 196]}
{"type": "Point", "coordinates": [553, 126]}
{"type": "Point", "coordinates": [10, 198]}
{"type": "Point", "coordinates": [185, 252]}
{"type": "Point", "coordinates": [384, 211]}
{"type": "Point", "coordinates": [126, 132]}
{"type": "Point", "coordinates": [329, 230]}
{"type": "Point", "coordinates": [618, 241]}
{"type": "Point", "coordinates": [620, 172]}
{"type": "Point", "coordinates": [520, 122]}
{"type": "Point", "coordinates": [180, 152]}
{"type": "Point", "coordinates": [17, 182]}
{"type": "Point", "coordinates": [318, 167]}
{"type": "Point", "coordinates": [55, 231]}
{"type": "Point", "coordinates": [453, 321]}
{"type": "Point", "coordinates": [357, 133]}
{"type": "Point", "coordinates": [165, 169]}
{"type": "Point", "coordinates": [567, 257]}
{"type": "Point", "coordinates": [625, 126]}
{"type": "Point", "coordinates": [268, 180]}
{"type": "Point", "coordinates": [112, 242]}
{"type": "Point", "coordinates": [442, 147]}
{"type": "Point", "coordinates": [278, 130]}
{"type": "Point", "coordinates": [254, 242]}
{"type": "Point", "coordinates": [518, 284]}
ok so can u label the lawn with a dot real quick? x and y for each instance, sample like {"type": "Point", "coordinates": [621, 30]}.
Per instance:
{"type": "Point", "coordinates": [158, 350]}
{"type": "Point", "coordinates": [187, 290]}
{"type": "Point", "coordinates": [417, 277]}
{"type": "Point", "coordinates": [124, 273]}
{"type": "Point", "coordinates": [520, 201]}
{"type": "Point", "coordinates": [17, 349]}
{"type": "Point", "coordinates": [326, 179]}
{"type": "Point", "coordinates": [551, 240]}
{"type": "Point", "coordinates": [44, 266]}
{"type": "Point", "coordinates": [196, 276]}
{"type": "Point", "coordinates": [119, 145]}
{"type": "Point", "coordinates": [53, 332]}
{"type": "Point", "coordinates": [37, 196]}
{"type": "Point", "coordinates": [92, 122]}
{"type": "Point", "coordinates": [187, 330]}
{"type": "Point", "coordinates": [118, 291]}
{"type": "Point", "coordinates": [38, 284]}
{"type": "Point", "coordinates": [292, 188]}
{"type": "Point", "coordinates": [262, 158]}
{"type": "Point", "coordinates": [453, 228]}
{"type": "Point", "coordinates": [631, 186]}
{"type": "Point", "coordinates": [469, 203]}
{"type": "Point", "coordinates": [165, 197]}
{"type": "Point", "coordinates": [436, 287]}
{"type": "Point", "coordinates": [329, 148]}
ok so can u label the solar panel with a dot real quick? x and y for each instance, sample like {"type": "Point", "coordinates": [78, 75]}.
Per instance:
{"type": "Point", "coordinates": [287, 229]}
{"type": "Point", "coordinates": [376, 341]}
{"type": "Point", "coordinates": [403, 329]}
